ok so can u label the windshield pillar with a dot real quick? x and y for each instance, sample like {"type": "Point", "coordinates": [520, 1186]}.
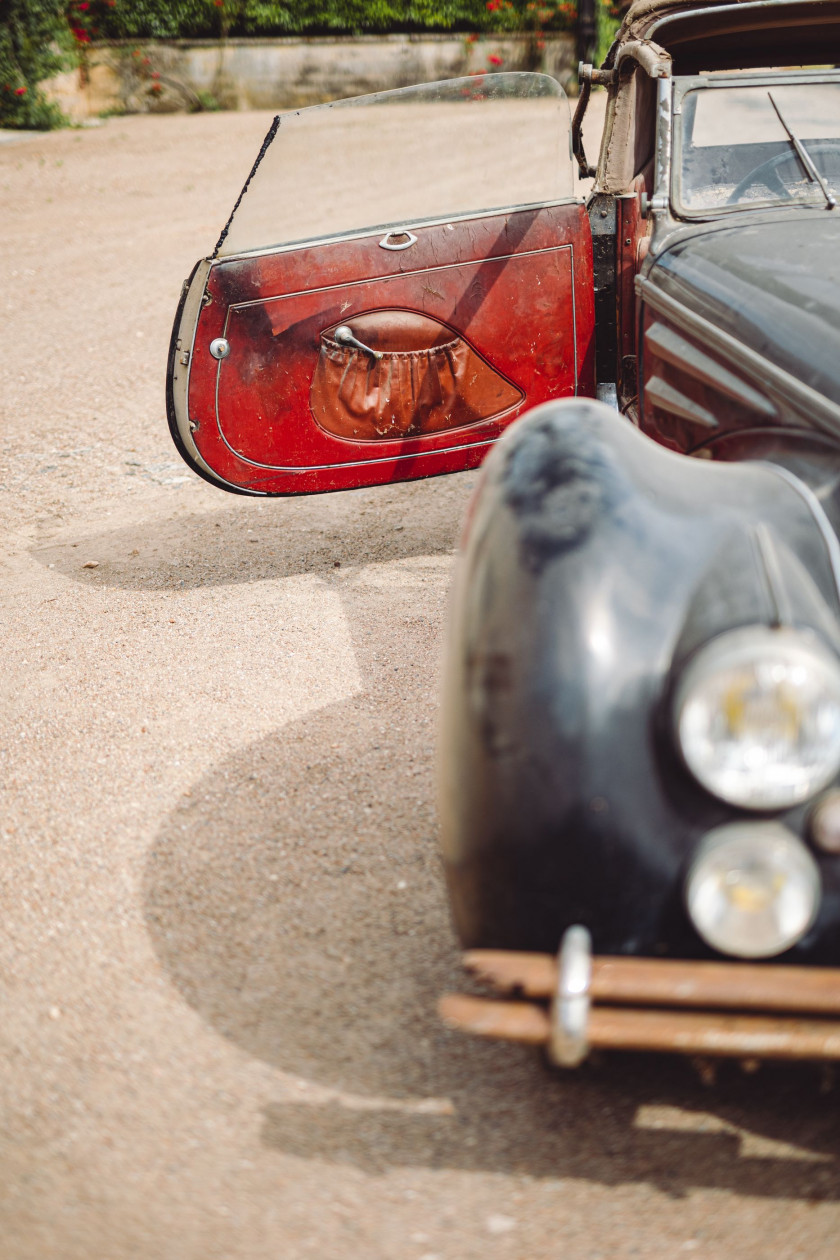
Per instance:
{"type": "Point", "coordinates": [662, 178]}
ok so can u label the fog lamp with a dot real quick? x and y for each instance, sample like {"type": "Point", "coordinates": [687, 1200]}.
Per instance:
{"type": "Point", "coordinates": [757, 714]}
{"type": "Point", "coordinates": [752, 890]}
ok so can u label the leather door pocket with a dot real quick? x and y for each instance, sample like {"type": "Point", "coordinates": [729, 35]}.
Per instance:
{"type": "Point", "coordinates": [398, 374]}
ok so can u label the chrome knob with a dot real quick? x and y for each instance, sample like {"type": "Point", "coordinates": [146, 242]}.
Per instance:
{"type": "Point", "coordinates": [345, 336]}
{"type": "Point", "coordinates": [220, 347]}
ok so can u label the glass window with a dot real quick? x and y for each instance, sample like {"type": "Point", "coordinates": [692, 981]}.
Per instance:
{"type": "Point", "coordinates": [736, 150]}
{"type": "Point", "coordinates": [440, 150]}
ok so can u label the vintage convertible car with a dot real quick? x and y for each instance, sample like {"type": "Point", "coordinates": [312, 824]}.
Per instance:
{"type": "Point", "coordinates": [640, 750]}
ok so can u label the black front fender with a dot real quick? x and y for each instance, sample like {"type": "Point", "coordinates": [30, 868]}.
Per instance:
{"type": "Point", "coordinates": [594, 563]}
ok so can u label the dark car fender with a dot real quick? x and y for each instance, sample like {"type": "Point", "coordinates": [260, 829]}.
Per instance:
{"type": "Point", "coordinates": [593, 565]}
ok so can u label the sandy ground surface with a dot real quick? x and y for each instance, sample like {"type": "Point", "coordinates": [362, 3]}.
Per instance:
{"type": "Point", "coordinates": [223, 926]}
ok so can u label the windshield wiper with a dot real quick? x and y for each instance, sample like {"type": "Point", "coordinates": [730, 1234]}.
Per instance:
{"type": "Point", "coordinates": [805, 158]}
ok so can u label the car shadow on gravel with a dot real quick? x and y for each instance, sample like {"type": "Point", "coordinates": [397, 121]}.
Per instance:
{"type": "Point", "coordinates": [295, 898]}
{"type": "Point", "coordinates": [254, 540]}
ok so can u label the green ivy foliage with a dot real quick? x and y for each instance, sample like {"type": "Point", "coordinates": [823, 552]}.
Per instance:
{"type": "Point", "coordinates": [190, 19]}
{"type": "Point", "coordinates": [609, 14]}
{"type": "Point", "coordinates": [39, 37]}
{"type": "Point", "coordinates": [33, 42]}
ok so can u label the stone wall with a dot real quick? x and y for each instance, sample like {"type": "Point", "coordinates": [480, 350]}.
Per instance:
{"type": "Point", "coordinates": [288, 73]}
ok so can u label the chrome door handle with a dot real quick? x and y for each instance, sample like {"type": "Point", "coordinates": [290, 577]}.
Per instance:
{"type": "Point", "coordinates": [345, 337]}
{"type": "Point", "coordinates": [398, 240]}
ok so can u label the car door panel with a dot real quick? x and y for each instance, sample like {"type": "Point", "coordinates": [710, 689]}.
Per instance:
{"type": "Point", "coordinates": [401, 277]}
{"type": "Point", "coordinates": [510, 292]}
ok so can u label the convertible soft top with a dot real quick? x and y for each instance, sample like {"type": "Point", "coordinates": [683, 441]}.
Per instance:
{"type": "Point", "coordinates": [723, 36]}
{"type": "Point", "coordinates": [690, 38]}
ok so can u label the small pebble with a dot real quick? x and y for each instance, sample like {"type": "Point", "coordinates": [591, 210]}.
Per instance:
{"type": "Point", "coordinates": [498, 1224]}
{"type": "Point", "coordinates": [91, 564]}
{"type": "Point", "coordinates": [55, 1013]}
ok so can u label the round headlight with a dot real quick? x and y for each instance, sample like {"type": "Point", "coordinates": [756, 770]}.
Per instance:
{"type": "Point", "coordinates": [752, 889]}
{"type": "Point", "coordinates": [757, 715]}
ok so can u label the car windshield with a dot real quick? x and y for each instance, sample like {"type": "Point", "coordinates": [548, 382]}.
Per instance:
{"type": "Point", "coordinates": [772, 142]}
{"type": "Point", "coordinates": [461, 147]}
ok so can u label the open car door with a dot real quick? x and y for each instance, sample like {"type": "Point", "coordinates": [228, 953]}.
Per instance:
{"type": "Point", "coordinates": [402, 275]}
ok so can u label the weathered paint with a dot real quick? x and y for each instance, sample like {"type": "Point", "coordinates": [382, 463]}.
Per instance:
{"type": "Point", "coordinates": [516, 286]}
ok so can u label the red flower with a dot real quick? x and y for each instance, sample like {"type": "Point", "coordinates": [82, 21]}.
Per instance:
{"type": "Point", "coordinates": [156, 87]}
{"type": "Point", "coordinates": [84, 7]}
{"type": "Point", "coordinates": [494, 60]}
{"type": "Point", "coordinates": [155, 74]}
{"type": "Point", "coordinates": [80, 36]}
{"type": "Point", "coordinates": [471, 39]}
{"type": "Point", "coordinates": [21, 91]}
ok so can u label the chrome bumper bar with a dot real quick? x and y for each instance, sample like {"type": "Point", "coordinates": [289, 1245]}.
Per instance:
{"type": "Point", "coordinates": [576, 1003]}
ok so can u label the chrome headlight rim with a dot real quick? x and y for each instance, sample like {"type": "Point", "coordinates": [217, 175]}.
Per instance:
{"type": "Point", "coordinates": [723, 850]}
{"type": "Point", "coordinates": [745, 646]}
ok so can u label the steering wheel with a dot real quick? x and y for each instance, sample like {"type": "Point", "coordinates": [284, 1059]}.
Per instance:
{"type": "Point", "coordinates": [768, 175]}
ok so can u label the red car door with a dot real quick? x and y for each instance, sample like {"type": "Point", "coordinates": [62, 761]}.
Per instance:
{"type": "Point", "coordinates": [403, 275]}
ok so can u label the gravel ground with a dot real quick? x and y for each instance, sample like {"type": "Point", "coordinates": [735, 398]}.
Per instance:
{"type": "Point", "coordinates": [223, 922]}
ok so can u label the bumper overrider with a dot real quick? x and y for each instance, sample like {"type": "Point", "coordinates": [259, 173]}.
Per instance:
{"type": "Point", "coordinates": [576, 1002]}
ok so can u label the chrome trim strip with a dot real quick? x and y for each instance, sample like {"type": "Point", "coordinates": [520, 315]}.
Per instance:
{"type": "Point", "coordinates": [371, 232]}
{"type": "Point", "coordinates": [398, 275]}
{"type": "Point", "coordinates": [816, 509]}
{"type": "Point", "coordinates": [358, 463]}
{"type": "Point", "coordinates": [181, 378]}
{"type": "Point", "coordinates": [715, 11]}
{"type": "Point", "coordinates": [767, 559]}
{"type": "Point", "coordinates": [667, 344]}
{"type": "Point", "coordinates": [574, 315]}
{"type": "Point", "coordinates": [664, 103]}
{"type": "Point", "coordinates": [822, 410]}
{"type": "Point", "coordinates": [668, 398]}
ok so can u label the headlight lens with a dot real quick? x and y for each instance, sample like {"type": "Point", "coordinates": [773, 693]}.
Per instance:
{"type": "Point", "coordinates": [758, 717]}
{"type": "Point", "coordinates": [752, 890]}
